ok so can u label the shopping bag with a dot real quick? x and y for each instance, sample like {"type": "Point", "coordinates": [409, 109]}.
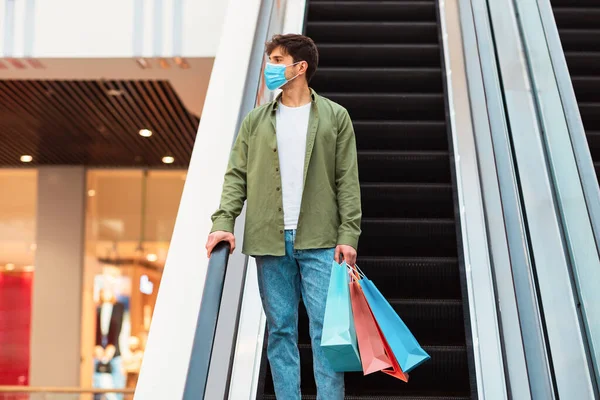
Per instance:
{"type": "Point", "coordinates": [338, 339]}
{"type": "Point", "coordinates": [403, 344]}
{"type": "Point", "coordinates": [370, 343]}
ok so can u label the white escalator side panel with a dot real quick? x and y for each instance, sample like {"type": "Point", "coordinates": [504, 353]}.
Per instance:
{"type": "Point", "coordinates": [171, 337]}
{"type": "Point", "coordinates": [487, 349]}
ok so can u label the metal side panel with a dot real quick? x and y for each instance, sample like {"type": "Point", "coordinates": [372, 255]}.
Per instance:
{"type": "Point", "coordinates": [167, 357]}
{"type": "Point", "coordinates": [569, 177]}
{"type": "Point", "coordinates": [581, 149]}
{"type": "Point", "coordinates": [489, 364]}
{"type": "Point", "coordinates": [503, 214]}
{"type": "Point", "coordinates": [563, 329]}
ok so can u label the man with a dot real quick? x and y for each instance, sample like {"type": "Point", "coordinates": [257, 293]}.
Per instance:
{"type": "Point", "coordinates": [295, 163]}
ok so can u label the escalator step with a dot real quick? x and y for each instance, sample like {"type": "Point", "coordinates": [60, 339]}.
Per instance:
{"type": "Point", "coordinates": [400, 200]}
{"type": "Point", "coordinates": [590, 114]}
{"type": "Point", "coordinates": [593, 138]}
{"type": "Point", "coordinates": [382, 80]}
{"type": "Point", "coordinates": [407, 238]}
{"type": "Point", "coordinates": [580, 39]}
{"type": "Point", "coordinates": [582, 63]}
{"type": "Point", "coordinates": [402, 166]}
{"type": "Point", "coordinates": [379, 55]}
{"type": "Point", "coordinates": [587, 88]}
{"type": "Point", "coordinates": [574, 3]}
{"type": "Point", "coordinates": [313, 397]}
{"type": "Point", "coordinates": [373, 32]}
{"type": "Point", "coordinates": [580, 17]}
{"type": "Point", "coordinates": [401, 135]}
{"type": "Point", "coordinates": [412, 11]}
{"type": "Point", "coordinates": [425, 319]}
{"type": "Point", "coordinates": [446, 374]}
{"type": "Point", "coordinates": [418, 278]}
{"type": "Point", "coordinates": [405, 106]}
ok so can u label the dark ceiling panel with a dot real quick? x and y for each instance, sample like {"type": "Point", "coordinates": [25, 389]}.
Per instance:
{"type": "Point", "coordinates": [94, 123]}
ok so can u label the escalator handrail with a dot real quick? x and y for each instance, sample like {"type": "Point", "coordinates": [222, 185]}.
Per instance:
{"type": "Point", "coordinates": [206, 327]}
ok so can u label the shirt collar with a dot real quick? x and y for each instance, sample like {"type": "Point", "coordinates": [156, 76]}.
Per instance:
{"type": "Point", "coordinates": [275, 103]}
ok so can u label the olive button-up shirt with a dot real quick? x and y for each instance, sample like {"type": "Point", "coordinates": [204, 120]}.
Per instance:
{"type": "Point", "coordinates": [330, 211]}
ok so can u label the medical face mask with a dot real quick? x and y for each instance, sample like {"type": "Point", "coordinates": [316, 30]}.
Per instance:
{"type": "Point", "coordinates": [275, 75]}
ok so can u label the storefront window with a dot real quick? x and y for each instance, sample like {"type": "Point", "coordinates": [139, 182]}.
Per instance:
{"type": "Point", "coordinates": [129, 222]}
{"type": "Point", "coordinates": [17, 260]}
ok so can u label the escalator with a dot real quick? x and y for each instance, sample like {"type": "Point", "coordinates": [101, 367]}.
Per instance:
{"type": "Point", "coordinates": [382, 61]}
{"type": "Point", "coordinates": [578, 23]}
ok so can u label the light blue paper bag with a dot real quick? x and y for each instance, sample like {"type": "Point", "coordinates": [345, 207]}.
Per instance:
{"type": "Point", "coordinates": [405, 347]}
{"type": "Point", "coordinates": [338, 340]}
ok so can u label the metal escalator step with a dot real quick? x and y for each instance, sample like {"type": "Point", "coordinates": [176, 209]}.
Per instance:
{"type": "Point", "coordinates": [408, 238]}
{"type": "Point", "coordinates": [405, 200]}
{"type": "Point", "coordinates": [418, 278]}
{"type": "Point", "coordinates": [405, 167]}
{"type": "Point", "coordinates": [404, 106]}
{"type": "Point", "coordinates": [580, 39]}
{"type": "Point", "coordinates": [407, 80]}
{"type": "Point", "coordinates": [379, 55]}
{"type": "Point", "coordinates": [401, 135]}
{"type": "Point", "coordinates": [587, 88]}
{"type": "Point", "coordinates": [373, 32]}
{"type": "Point", "coordinates": [582, 63]}
{"type": "Point", "coordinates": [593, 138]}
{"type": "Point", "coordinates": [445, 374]}
{"type": "Point", "coordinates": [424, 317]}
{"type": "Point", "coordinates": [577, 17]}
{"type": "Point", "coordinates": [590, 114]}
{"type": "Point", "coordinates": [575, 3]}
{"type": "Point", "coordinates": [412, 11]}
{"type": "Point", "coordinates": [313, 397]}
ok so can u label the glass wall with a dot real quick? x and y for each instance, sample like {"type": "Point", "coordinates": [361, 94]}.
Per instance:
{"type": "Point", "coordinates": [129, 222]}
{"type": "Point", "coordinates": [17, 260]}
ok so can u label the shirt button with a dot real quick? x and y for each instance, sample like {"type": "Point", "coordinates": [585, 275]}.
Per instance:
{"type": "Point", "coordinates": [276, 169]}
{"type": "Point", "coordinates": [279, 208]}
{"type": "Point", "coordinates": [274, 150]}
{"type": "Point", "coordinates": [280, 231]}
{"type": "Point", "coordinates": [278, 189]}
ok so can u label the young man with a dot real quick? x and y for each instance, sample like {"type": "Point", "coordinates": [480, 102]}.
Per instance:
{"type": "Point", "coordinates": [295, 163]}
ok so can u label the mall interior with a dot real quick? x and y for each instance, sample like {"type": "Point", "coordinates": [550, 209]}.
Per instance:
{"type": "Point", "coordinates": [477, 125]}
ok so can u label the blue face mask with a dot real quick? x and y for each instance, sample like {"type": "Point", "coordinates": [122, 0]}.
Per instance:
{"type": "Point", "coordinates": [275, 75]}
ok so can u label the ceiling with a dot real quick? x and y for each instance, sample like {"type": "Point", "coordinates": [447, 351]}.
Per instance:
{"type": "Point", "coordinates": [94, 123]}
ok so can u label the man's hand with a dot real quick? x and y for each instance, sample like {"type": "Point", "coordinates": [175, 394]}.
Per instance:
{"type": "Point", "coordinates": [217, 237]}
{"type": "Point", "coordinates": [348, 254]}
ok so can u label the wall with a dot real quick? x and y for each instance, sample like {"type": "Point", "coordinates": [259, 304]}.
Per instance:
{"type": "Point", "coordinates": [110, 28]}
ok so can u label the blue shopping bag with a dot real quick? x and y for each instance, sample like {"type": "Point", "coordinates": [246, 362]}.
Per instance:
{"type": "Point", "coordinates": [338, 340]}
{"type": "Point", "coordinates": [405, 347]}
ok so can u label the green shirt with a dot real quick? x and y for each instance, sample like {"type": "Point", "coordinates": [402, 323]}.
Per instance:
{"type": "Point", "coordinates": [330, 211]}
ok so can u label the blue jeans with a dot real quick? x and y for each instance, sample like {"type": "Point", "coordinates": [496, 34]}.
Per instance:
{"type": "Point", "coordinates": [115, 380]}
{"type": "Point", "coordinates": [281, 281]}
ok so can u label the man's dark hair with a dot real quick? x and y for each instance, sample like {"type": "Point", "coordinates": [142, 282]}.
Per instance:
{"type": "Point", "coordinates": [301, 48]}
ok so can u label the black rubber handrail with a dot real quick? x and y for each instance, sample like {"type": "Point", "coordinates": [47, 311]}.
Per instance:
{"type": "Point", "coordinates": [206, 326]}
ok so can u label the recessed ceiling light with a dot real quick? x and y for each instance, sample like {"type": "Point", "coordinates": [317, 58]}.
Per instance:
{"type": "Point", "coordinates": [145, 132]}
{"type": "Point", "coordinates": [151, 257]}
{"type": "Point", "coordinates": [9, 267]}
{"type": "Point", "coordinates": [91, 192]}
{"type": "Point", "coordinates": [26, 158]}
{"type": "Point", "coordinates": [114, 92]}
{"type": "Point", "coordinates": [29, 268]}
{"type": "Point", "coordinates": [168, 160]}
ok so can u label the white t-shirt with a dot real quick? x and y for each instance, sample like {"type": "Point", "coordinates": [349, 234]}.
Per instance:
{"type": "Point", "coordinates": [292, 130]}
